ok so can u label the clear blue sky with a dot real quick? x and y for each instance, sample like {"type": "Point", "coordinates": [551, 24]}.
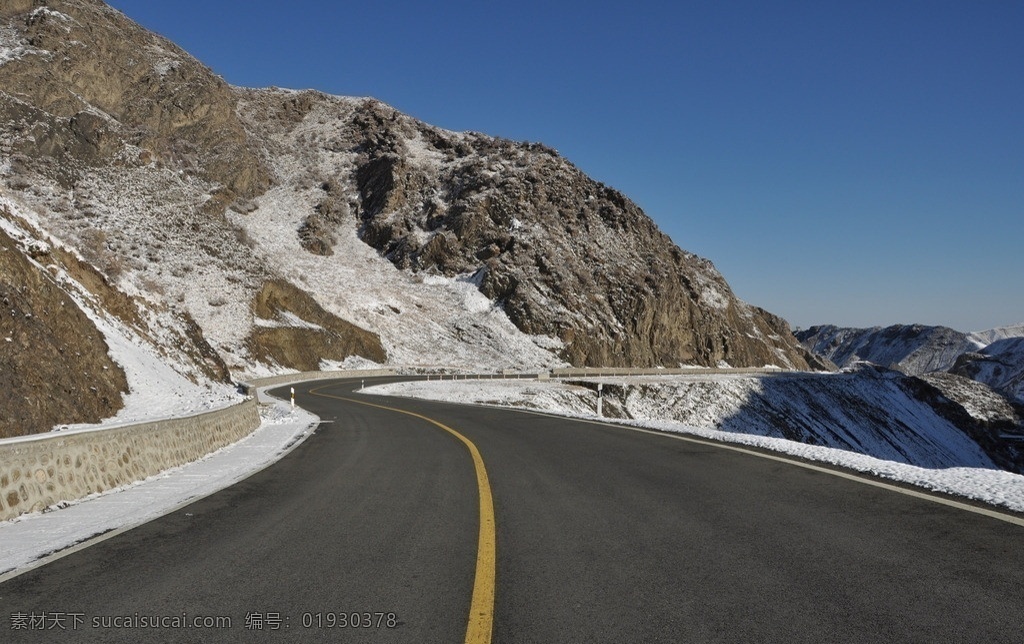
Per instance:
{"type": "Point", "coordinates": [858, 163]}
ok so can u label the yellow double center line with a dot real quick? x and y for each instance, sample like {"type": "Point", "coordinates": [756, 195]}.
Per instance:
{"type": "Point", "coordinates": [481, 609]}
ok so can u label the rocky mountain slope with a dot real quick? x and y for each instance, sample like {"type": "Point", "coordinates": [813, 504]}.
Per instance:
{"type": "Point", "coordinates": [85, 88]}
{"type": "Point", "coordinates": [246, 232]}
{"type": "Point", "coordinates": [560, 254]}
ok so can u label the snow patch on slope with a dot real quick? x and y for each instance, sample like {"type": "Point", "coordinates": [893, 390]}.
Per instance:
{"type": "Point", "coordinates": [165, 61]}
{"type": "Point", "coordinates": [156, 390]}
{"type": "Point", "coordinates": [13, 46]}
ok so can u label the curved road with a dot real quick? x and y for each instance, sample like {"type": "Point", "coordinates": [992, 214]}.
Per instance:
{"type": "Point", "coordinates": [601, 534]}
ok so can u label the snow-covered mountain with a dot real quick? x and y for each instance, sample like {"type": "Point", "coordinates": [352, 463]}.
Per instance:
{"type": "Point", "coordinates": [231, 232]}
{"type": "Point", "coordinates": [912, 348]}
{"type": "Point", "coordinates": [1000, 333]}
{"type": "Point", "coordinates": [994, 357]}
{"type": "Point", "coordinates": [999, 365]}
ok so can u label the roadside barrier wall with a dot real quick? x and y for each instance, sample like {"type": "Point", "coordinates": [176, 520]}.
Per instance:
{"type": "Point", "coordinates": [39, 471]}
{"type": "Point", "coordinates": [597, 372]}
{"type": "Point", "coordinates": [271, 381]}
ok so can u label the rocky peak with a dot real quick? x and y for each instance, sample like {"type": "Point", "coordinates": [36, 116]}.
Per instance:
{"type": "Point", "coordinates": [564, 255]}
{"type": "Point", "coordinates": [84, 86]}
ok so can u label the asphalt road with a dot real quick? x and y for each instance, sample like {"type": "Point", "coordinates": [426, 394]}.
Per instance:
{"type": "Point", "coordinates": [602, 535]}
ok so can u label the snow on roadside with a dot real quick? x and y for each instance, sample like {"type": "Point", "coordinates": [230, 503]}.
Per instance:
{"type": "Point", "coordinates": [995, 487]}
{"type": "Point", "coordinates": [26, 539]}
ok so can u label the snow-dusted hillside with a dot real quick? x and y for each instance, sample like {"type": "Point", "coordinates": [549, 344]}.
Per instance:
{"type": "Point", "coordinates": [165, 369]}
{"type": "Point", "coordinates": [213, 268]}
{"type": "Point", "coordinates": [422, 319]}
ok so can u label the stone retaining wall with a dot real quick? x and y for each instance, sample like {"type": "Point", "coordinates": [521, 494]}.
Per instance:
{"type": "Point", "coordinates": [40, 471]}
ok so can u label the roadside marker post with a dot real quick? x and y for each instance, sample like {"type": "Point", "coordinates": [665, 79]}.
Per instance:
{"type": "Point", "coordinates": [293, 397]}
{"type": "Point", "coordinates": [599, 387]}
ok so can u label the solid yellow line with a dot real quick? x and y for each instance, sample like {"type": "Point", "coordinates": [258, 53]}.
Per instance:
{"type": "Point", "coordinates": [481, 609]}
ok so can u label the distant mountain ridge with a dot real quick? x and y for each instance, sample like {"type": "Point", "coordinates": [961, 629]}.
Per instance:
{"type": "Point", "coordinates": [994, 357]}
{"type": "Point", "coordinates": [913, 348]}
{"type": "Point", "coordinates": [999, 333]}
{"type": "Point", "coordinates": [1000, 365]}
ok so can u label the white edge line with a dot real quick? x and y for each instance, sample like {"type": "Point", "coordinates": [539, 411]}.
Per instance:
{"type": "Point", "coordinates": [994, 514]}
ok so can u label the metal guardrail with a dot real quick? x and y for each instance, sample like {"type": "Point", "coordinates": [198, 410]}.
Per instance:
{"type": "Point", "coordinates": [284, 379]}
{"type": "Point", "coordinates": [598, 372]}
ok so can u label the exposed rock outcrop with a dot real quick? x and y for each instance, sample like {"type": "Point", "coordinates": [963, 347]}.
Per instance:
{"type": "Point", "coordinates": [54, 365]}
{"type": "Point", "coordinates": [91, 89]}
{"type": "Point", "coordinates": [297, 333]}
